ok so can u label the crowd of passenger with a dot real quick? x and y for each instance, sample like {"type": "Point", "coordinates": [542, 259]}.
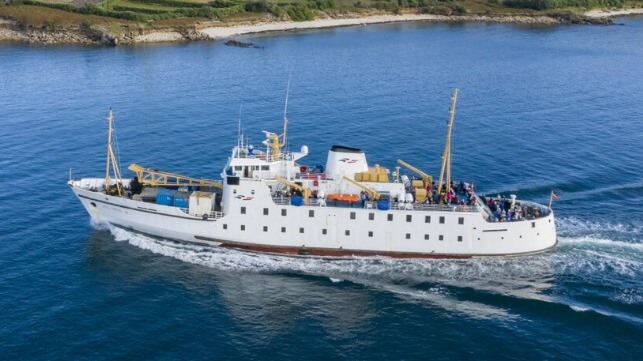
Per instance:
{"type": "Point", "coordinates": [461, 194]}
{"type": "Point", "coordinates": [508, 210]}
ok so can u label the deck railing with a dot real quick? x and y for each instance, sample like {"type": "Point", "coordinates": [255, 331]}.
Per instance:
{"type": "Point", "coordinates": [315, 202]}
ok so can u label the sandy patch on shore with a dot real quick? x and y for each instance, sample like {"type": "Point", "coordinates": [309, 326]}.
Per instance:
{"type": "Point", "coordinates": [612, 13]}
{"type": "Point", "coordinates": [158, 37]}
{"type": "Point", "coordinates": [219, 32]}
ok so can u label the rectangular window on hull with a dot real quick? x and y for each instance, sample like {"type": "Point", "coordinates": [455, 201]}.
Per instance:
{"type": "Point", "coordinates": [265, 211]}
{"type": "Point", "coordinates": [426, 237]}
{"type": "Point", "coordinates": [283, 229]}
{"type": "Point", "coordinates": [352, 215]}
{"type": "Point", "coordinates": [243, 210]}
{"type": "Point", "coordinates": [441, 238]}
{"type": "Point", "coordinates": [389, 217]}
{"type": "Point", "coordinates": [243, 227]}
{"type": "Point", "coordinates": [460, 220]}
{"type": "Point", "coordinates": [284, 212]}
{"type": "Point", "coordinates": [427, 219]}
{"type": "Point", "coordinates": [301, 230]}
{"type": "Point", "coordinates": [265, 228]}
{"type": "Point", "coordinates": [311, 213]}
{"type": "Point", "coordinates": [459, 238]}
{"type": "Point", "coordinates": [408, 236]}
{"type": "Point", "coordinates": [409, 218]}
{"type": "Point", "coordinates": [371, 216]}
{"type": "Point", "coordinates": [324, 231]}
{"type": "Point", "coordinates": [347, 232]}
{"type": "Point", "coordinates": [441, 219]}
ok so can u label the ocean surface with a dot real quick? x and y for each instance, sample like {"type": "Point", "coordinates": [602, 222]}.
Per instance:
{"type": "Point", "coordinates": [540, 108]}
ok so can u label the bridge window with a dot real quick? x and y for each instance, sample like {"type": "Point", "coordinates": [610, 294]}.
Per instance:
{"type": "Point", "coordinates": [284, 212]}
{"type": "Point", "coordinates": [441, 219]}
{"type": "Point", "coordinates": [460, 220]}
{"type": "Point", "coordinates": [265, 167]}
{"type": "Point", "coordinates": [243, 210]}
{"type": "Point", "coordinates": [265, 211]}
{"type": "Point", "coordinates": [427, 219]}
{"type": "Point", "coordinates": [371, 216]}
{"type": "Point", "coordinates": [352, 215]}
{"type": "Point", "coordinates": [409, 218]}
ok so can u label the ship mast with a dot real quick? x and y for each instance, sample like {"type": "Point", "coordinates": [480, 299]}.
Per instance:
{"type": "Point", "coordinates": [111, 158]}
{"type": "Point", "coordinates": [446, 157]}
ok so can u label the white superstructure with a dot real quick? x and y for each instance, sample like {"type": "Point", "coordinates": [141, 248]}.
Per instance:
{"type": "Point", "coordinates": [268, 201]}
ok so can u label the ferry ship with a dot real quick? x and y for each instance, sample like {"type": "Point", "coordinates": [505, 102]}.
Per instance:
{"type": "Point", "coordinates": [267, 200]}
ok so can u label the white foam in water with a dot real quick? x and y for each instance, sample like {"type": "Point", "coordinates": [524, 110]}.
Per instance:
{"type": "Point", "coordinates": [619, 315]}
{"type": "Point", "coordinates": [574, 227]}
{"type": "Point", "coordinates": [579, 308]}
{"type": "Point", "coordinates": [529, 277]}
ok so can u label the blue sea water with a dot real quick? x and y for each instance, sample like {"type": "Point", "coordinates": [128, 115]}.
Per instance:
{"type": "Point", "coordinates": [540, 108]}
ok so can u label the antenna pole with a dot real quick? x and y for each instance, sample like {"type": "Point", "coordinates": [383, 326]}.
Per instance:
{"type": "Point", "coordinates": [446, 157]}
{"type": "Point", "coordinates": [110, 119]}
{"type": "Point", "coordinates": [284, 134]}
{"type": "Point", "coordinates": [111, 158]}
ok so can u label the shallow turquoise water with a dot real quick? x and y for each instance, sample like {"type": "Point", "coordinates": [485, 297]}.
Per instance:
{"type": "Point", "coordinates": [539, 108]}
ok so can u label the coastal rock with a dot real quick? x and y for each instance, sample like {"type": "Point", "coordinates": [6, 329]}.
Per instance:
{"type": "Point", "coordinates": [241, 44]}
{"type": "Point", "coordinates": [572, 18]}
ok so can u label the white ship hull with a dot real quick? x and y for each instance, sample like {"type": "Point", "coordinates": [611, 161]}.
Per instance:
{"type": "Point", "coordinates": [259, 224]}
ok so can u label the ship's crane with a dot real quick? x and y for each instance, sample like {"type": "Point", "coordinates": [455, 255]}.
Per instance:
{"type": "Point", "coordinates": [305, 192]}
{"type": "Point", "coordinates": [372, 193]}
{"type": "Point", "coordinates": [153, 177]}
{"type": "Point", "coordinates": [427, 179]}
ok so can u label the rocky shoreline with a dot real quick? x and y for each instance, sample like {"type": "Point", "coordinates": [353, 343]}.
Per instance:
{"type": "Point", "coordinates": [11, 31]}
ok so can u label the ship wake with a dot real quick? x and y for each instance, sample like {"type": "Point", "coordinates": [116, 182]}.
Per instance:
{"type": "Point", "coordinates": [578, 274]}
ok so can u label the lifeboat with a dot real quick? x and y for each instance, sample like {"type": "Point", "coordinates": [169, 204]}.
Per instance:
{"type": "Point", "coordinates": [340, 197]}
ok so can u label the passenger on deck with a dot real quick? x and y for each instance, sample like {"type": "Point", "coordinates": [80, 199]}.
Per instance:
{"type": "Point", "coordinates": [461, 188]}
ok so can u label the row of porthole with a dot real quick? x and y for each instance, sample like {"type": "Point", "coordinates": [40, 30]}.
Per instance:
{"type": "Point", "coordinates": [346, 232]}
{"type": "Point", "coordinates": [371, 216]}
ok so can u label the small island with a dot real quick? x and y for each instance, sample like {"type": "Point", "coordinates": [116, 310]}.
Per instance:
{"type": "Point", "coordinates": [124, 22]}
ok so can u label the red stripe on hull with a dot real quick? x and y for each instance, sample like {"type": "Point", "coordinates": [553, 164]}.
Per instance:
{"type": "Point", "coordinates": [333, 252]}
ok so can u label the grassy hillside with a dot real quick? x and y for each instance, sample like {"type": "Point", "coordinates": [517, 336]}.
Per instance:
{"type": "Point", "coordinates": [86, 13]}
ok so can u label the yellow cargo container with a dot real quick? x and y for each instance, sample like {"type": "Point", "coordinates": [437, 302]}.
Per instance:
{"type": "Point", "coordinates": [420, 195]}
{"type": "Point", "coordinates": [418, 183]}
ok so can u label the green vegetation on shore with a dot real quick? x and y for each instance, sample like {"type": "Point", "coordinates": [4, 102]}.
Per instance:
{"type": "Point", "coordinates": [50, 14]}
